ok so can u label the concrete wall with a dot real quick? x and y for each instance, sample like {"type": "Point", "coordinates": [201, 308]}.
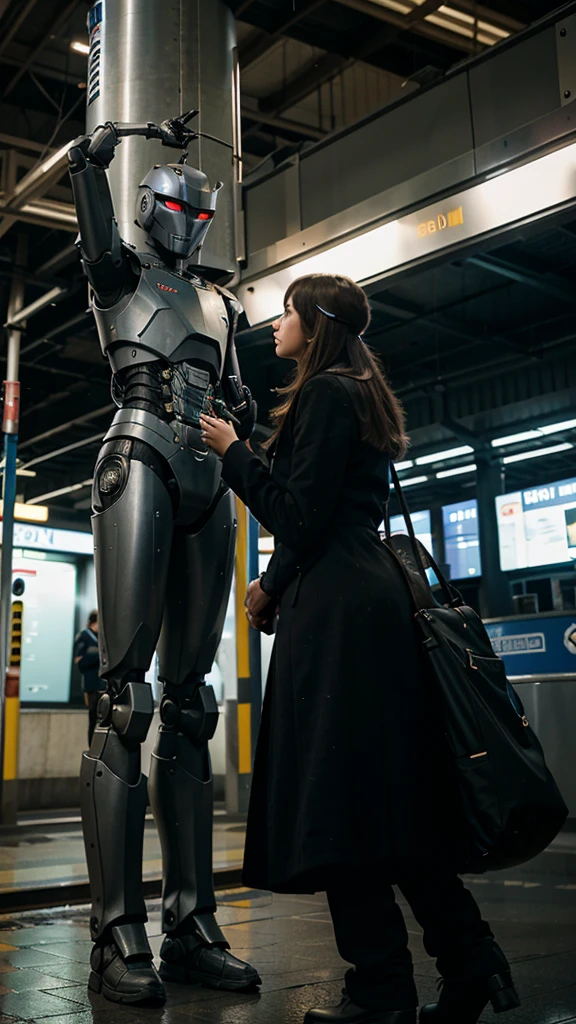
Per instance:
{"type": "Point", "coordinates": [50, 750]}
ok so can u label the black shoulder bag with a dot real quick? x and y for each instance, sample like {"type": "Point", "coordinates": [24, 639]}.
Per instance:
{"type": "Point", "coordinates": [510, 801]}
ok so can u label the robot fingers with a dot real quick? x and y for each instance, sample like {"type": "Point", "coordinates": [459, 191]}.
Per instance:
{"type": "Point", "coordinates": [103, 142]}
{"type": "Point", "coordinates": [174, 132]}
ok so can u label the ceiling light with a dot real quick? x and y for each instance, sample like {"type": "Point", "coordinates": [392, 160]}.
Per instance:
{"type": "Point", "coordinates": [453, 13]}
{"type": "Point", "coordinates": [456, 472]}
{"type": "Point", "coordinates": [449, 453]}
{"type": "Point", "coordinates": [28, 513]}
{"type": "Point", "coordinates": [80, 47]}
{"type": "Point", "coordinates": [450, 25]}
{"type": "Point", "coordinates": [395, 5]}
{"type": "Point", "coordinates": [481, 37]}
{"type": "Point", "coordinates": [494, 30]}
{"type": "Point", "coordinates": [407, 464]}
{"type": "Point", "coordinates": [530, 435]}
{"type": "Point", "coordinates": [553, 428]}
{"type": "Point", "coordinates": [537, 453]}
{"type": "Point", "coordinates": [523, 435]}
{"type": "Point", "coordinates": [414, 480]}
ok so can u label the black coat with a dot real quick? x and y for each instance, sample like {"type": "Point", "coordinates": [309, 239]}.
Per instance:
{"type": "Point", "coordinates": [348, 766]}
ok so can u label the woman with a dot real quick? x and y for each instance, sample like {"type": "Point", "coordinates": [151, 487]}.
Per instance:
{"type": "Point", "coordinates": [349, 774]}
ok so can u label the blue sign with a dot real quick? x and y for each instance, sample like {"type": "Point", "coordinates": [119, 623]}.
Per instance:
{"type": "Point", "coordinates": [461, 541]}
{"type": "Point", "coordinates": [535, 645]}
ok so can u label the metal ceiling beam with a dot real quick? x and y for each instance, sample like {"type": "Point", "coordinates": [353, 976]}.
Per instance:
{"type": "Point", "coordinates": [550, 284]}
{"type": "Point", "coordinates": [53, 34]}
{"type": "Point", "coordinates": [330, 65]}
{"type": "Point", "coordinates": [264, 41]}
{"type": "Point", "coordinates": [35, 307]}
{"type": "Point", "coordinates": [282, 123]}
{"type": "Point", "coordinates": [59, 492]}
{"type": "Point", "coordinates": [37, 182]}
{"type": "Point", "coordinates": [424, 28]}
{"type": "Point", "coordinates": [18, 143]}
{"type": "Point", "coordinates": [18, 21]}
{"type": "Point", "coordinates": [57, 262]}
{"type": "Point", "coordinates": [66, 426]}
{"type": "Point", "coordinates": [243, 7]}
{"type": "Point", "coordinates": [93, 439]}
{"type": "Point", "coordinates": [47, 214]}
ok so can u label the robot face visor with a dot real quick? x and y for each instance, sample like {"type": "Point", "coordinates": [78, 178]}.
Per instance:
{"type": "Point", "coordinates": [178, 226]}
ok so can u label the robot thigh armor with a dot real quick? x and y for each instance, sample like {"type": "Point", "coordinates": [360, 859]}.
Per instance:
{"type": "Point", "coordinates": [175, 452]}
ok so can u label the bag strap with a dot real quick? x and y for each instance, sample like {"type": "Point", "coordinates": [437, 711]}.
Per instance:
{"type": "Point", "coordinates": [451, 596]}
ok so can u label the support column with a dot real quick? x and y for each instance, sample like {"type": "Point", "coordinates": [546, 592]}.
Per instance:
{"type": "Point", "coordinates": [495, 595]}
{"type": "Point", "coordinates": [155, 59]}
{"type": "Point", "coordinates": [243, 714]}
{"type": "Point", "coordinates": [9, 680]}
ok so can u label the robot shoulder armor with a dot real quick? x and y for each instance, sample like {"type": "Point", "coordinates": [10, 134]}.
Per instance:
{"type": "Point", "coordinates": [230, 298]}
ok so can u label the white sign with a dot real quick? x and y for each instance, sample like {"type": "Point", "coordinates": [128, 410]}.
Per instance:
{"type": "Point", "coordinates": [46, 539]}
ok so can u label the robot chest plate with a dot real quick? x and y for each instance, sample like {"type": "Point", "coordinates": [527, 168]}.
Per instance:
{"type": "Point", "coordinates": [167, 316]}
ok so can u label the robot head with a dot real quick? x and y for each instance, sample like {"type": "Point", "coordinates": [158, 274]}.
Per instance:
{"type": "Point", "coordinates": [175, 207]}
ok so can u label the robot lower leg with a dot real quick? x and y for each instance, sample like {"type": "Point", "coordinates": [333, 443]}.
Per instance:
{"type": "Point", "coordinates": [113, 800]}
{"type": "Point", "coordinates": [181, 794]}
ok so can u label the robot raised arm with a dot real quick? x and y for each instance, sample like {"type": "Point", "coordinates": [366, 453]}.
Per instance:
{"type": "Point", "coordinates": [89, 156]}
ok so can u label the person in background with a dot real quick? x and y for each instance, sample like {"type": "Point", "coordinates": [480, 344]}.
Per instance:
{"type": "Point", "coordinates": [88, 660]}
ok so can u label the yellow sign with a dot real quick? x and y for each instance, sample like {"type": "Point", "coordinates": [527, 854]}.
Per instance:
{"type": "Point", "coordinates": [452, 219]}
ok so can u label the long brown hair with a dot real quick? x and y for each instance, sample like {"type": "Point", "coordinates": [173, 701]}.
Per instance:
{"type": "Point", "coordinates": [336, 346]}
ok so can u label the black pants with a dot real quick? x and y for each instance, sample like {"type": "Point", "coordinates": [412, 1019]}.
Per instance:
{"type": "Point", "coordinates": [371, 933]}
{"type": "Point", "coordinates": [92, 699]}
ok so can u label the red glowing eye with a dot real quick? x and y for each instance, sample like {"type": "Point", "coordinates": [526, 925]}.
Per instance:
{"type": "Point", "coordinates": [171, 205]}
{"type": "Point", "coordinates": [206, 215]}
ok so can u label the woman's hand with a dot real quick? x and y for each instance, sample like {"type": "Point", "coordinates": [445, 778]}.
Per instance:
{"type": "Point", "coordinates": [217, 434]}
{"type": "Point", "coordinates": [258, 606]}
{"type": "Point", "coordinates": [256, 600]}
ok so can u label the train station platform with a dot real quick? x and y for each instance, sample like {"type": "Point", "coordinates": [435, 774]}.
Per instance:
{"type": "Point", "coordinates": [44, 954]}
{"type": "Point", "coordinates": [44, 853]}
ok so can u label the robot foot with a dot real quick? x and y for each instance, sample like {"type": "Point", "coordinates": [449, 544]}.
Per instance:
{"type": "Point", "coordinates": [189, 960]}
{"type": "Point", "coordinates": [122, 968]}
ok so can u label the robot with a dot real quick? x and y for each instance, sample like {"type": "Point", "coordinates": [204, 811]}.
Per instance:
{"type": "Point", "coordinates": [164, 540]}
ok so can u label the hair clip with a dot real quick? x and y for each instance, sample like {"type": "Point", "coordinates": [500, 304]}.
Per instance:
{"type": "Point", "coordinates": [332, 316]}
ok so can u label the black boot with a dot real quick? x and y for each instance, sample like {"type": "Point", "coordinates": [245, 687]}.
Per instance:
{"type": "Point", "coordinates": [348, 1012]}
{"type": "Point", "coordinates": [122, 968]}
{"type": "Point", "coordinates": [190, 960]}
{"type": "Point", "coordinates": [462, 1000]}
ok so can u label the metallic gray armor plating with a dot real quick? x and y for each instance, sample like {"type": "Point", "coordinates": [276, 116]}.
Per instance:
{"type": "Point", "coordinates": [164, 532]}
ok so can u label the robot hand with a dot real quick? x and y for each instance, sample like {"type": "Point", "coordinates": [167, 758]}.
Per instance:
{"type": "Point", "coordinates": [174, 132]}
{"type": "Point", "coordinates": [245, 414]}
{"type": "Point", "coordinates": [102, 143]}
{"type": "Point", "coordinates": [214, 405]}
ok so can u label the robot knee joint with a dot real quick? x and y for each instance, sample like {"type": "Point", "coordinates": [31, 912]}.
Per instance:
{"type": "Point", "coordinates": [110, 479]}
{"type": "Point", "coordinates": [132, 712]}
{"type": "Point", "coordinates": [196, 718]}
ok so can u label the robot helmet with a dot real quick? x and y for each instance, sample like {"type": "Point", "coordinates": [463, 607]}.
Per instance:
{"type": "Point", "coordinates": [175, 206]}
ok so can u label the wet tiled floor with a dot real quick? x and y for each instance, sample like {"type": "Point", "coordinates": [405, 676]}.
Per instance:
{"type": "Point", "coordinates": [52, 853]}
{"type": "Point", "coordinates": [44, 955]}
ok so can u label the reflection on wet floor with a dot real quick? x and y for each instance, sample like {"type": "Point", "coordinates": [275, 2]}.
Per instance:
{"type": "Point", "coordinates": [52, 853]}
{"type": "Point", "coordinates": [44, 955]}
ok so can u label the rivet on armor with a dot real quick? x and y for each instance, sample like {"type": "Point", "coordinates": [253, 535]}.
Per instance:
{"type": "Point", "coordinates": [134, 353]}
{"type": "Point", "coordinates": [169, 407]}
{"type": "Point", "coordinates": [167, 374]}
{"type": "Point", "coordinates": [176, 440]}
